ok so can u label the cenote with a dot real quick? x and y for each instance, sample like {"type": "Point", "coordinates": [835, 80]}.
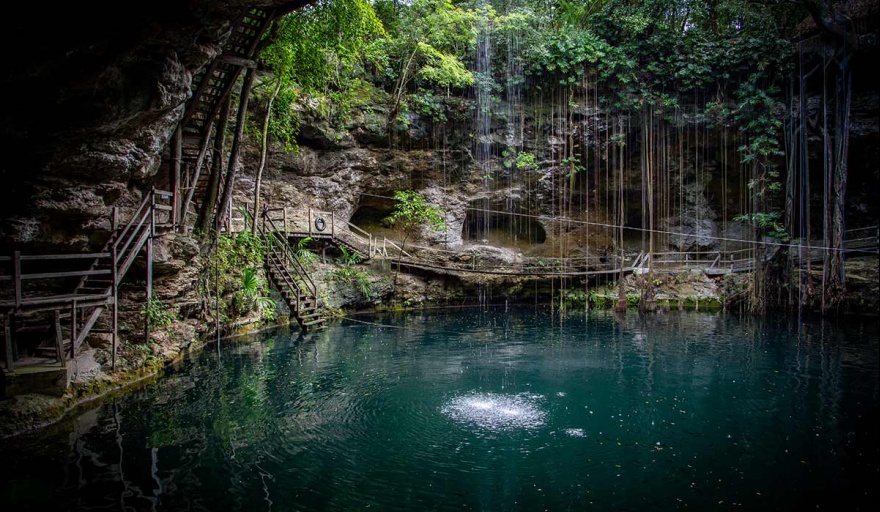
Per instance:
{"type": "Point", "coordinates": [488, 409]}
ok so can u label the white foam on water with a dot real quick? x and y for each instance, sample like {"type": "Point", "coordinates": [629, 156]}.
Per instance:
{"type": "Point", "coordinates": [575, 432]}
{"type": "Point", "coordinates": [497, 412]}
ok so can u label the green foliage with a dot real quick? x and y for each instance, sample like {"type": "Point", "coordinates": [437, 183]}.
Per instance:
{"type": "Point", "coordinates": [357, 278]}
{"type": "Point", "coordinates": [442, 69]}
{"type": "Point", "coordinates": [307, 50]}
{"type": "Point", "coordinates": [304, 255]}
{"type": "Point", "coordinates": [567, 55]}
{"type": "Point", "coordinates": [426, 49]}
{"type": "Point", "coordinates": [526, 161]}
{"type": "Point", "coordinates": [412, 210]}
{"type": "Point", "coordinates": [575, 298]}
{"type": "Point", "coordinates": [759, 116]}
{"type": "Point", "coordinates": [476, 258]}
{"type": "Point", "coordinates": [228, 270]}
{"type": "Point", "coordinates": [252, 295]}
{"type": "Point", "coordinates": [429, 105]}
{"type": "Point", "coordinates": [767, 222]}
{"type": "Point", "coordinates": [158, 314]}
{"type": "Point", "coordinates": [349, 258]}
{"type": "Point", "coordinates": [346, 273]}
{"type": "Point", "coordinates": [521, 161]}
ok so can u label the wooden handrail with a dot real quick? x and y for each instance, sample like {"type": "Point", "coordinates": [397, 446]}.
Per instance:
{"type": "Point", "coordinates": [146, 201]}
{"type": "Point", "coordinates": [401, 251]}
{"type": "Point", "coordinates": [73, 273]}
{"type": "Point", "coordinates": [45, 257]}
{"type": "Point", "coordinates": [355, 229]}
{"type": "Point", "coordinates": [289, 255]}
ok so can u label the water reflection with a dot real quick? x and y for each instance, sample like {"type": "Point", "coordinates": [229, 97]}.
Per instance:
{"type": "Point", "coordinates": [481, 410]}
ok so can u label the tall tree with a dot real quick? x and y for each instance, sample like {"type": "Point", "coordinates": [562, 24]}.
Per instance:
{"type": "Point", "coordinates": [841, 41]}
{"type": "Point", "coordinates": [218, 164]}
{"type": "Point", "coordinates": [305, 50]}
{"type": "Point", "coordinates": [234, 156]}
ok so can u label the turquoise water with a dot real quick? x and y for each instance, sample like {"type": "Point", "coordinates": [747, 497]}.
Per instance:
{"type": "Point", "coordinates": [483, 410]}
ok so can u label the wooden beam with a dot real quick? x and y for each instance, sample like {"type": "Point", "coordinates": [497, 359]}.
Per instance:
{"type": "Point", "coordinates": [43, 257]}
{"type": "Point", "coordinates": [51, 275]}
{"type": "Point", "coordinates": [200, 161]}
{"type": "Point", "coordinates": [149, 286]}
{"type": "Point", "coordinates": [115, 311]}
{"type": "Point", "coordinates": [17, 275]}
{"type": "Point", "coordinates": [238, 61]}
{"type": "Point", "coordinates": [73, 330]}
{"type": "Point", "coordinates": [177, 156]}
{"type": "Point", "coordinates": [59, 343]}
{"type": "Point", "coordinates": [7, 332]}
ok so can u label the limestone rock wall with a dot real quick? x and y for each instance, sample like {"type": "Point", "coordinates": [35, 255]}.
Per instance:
{"type": "Point", "coordinates": [94, 91]}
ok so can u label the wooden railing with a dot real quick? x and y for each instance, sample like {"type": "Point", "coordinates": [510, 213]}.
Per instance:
{"type": "Point", "coordinates": [278, 245]}
{"type": "Point", "coordinates": [664, 261]}
{"type": "Point", "coordinates": [98, 283]}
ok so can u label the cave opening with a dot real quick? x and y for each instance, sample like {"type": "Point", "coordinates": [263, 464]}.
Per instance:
{"type": "Point", "coordinates": [370, 216]}
{"type": "Point", "coordinates": [499, 226]}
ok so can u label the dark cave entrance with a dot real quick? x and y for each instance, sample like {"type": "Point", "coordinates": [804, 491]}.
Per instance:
{"type": "Point", "coordinates": [501, 226]}
{"type": "Point", "coordinates": [370, 216]}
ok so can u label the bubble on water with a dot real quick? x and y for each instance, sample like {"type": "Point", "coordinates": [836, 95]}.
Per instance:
{"type": "Point", "coordinates": [575, 432]}
{"type": "Point", "coordinates": [497, 412]}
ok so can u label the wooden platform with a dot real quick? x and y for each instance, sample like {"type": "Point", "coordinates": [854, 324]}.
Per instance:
{"type": "Point", "coordinates": [36, 375]}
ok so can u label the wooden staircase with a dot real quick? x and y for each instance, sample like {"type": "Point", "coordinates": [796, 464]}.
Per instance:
{"type": "Point", "coordinates": [292, 279]}
{"type": "Point", "coordinates": [64, 321]}
{"type": "Point", "coordinates": [211, 86]}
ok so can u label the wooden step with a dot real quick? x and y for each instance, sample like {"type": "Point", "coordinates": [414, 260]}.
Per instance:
{"type": "Point", "coordinates": [30, 329]}
{"type": "Point", "coordinates": [314, 323]}
{"type": "Point", "coordinates": [92, 290]}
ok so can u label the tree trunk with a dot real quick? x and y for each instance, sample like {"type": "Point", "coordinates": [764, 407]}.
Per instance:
{"type": "Point", "coordinates": [218, 161]}
{"type": "Point", "coordinates": [226, 201]}
{"type": "Point", "coordinates": [264, 149]}
{"type": "Point", "coordinates": [836, 282]}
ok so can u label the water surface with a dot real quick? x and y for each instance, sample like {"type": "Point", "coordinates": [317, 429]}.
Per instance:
{"type": "Point", "coordinates": [487, 410]}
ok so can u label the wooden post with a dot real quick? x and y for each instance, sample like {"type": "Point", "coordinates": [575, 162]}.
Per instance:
{"type": "Point", "coordinates": [115, 289]}
{"type": "Point", "coordinates": [7, 332]}
{"type": "Point", "coordinates": [16, 265]}
{"type": "Point", "coordinates": [153, 211]}
{"type": "Point", "coordinates": [149, 287]}
{"type": "Point", "coordinates": [332, 225]}
{"type": "Point", "coordinates": [176, 152]}
{"type": "Point", "coordinates": [59, 344]}
{"type": "Point", "coordinates": [285, 220]}
{"type": "Point", "coordinates": [310, 222]}
{"type": "Point", "coordinates": [73, 329]}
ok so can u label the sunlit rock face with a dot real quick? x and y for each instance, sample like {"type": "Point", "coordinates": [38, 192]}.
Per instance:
{"type": "Point", "coordinates": [96, 90]}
